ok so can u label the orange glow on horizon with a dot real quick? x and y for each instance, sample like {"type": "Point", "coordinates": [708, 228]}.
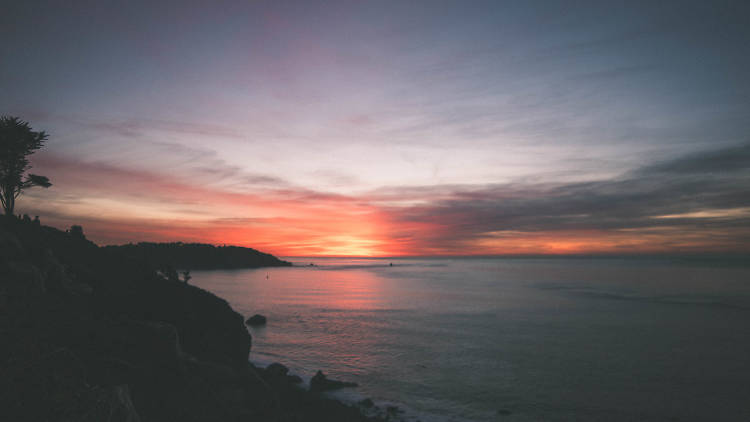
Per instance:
{"type": "Point", "coordinates": [298, 222]}
{"type": "Point", "coordinates": [342, 234]}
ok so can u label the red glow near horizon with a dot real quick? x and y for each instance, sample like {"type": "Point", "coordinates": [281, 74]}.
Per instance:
{"type": "Point", "coordinates": [299, 222]}
{"type": "Point", "coordinates": [342, 232]}
{"type": "Point", "coordinates": [359, 128]}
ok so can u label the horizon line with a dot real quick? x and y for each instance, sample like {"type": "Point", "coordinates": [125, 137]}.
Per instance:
{"type": "Point", "coordinates": [722, 255]}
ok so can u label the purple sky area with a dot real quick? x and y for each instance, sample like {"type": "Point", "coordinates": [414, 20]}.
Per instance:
{"type": "Point", "coordinates": [389, 128]}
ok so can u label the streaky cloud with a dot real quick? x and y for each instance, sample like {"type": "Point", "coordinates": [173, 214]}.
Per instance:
{"type": "Point", "coordinates": [706, 193]}
{"type": "Point", "coordinates": [688, 203]}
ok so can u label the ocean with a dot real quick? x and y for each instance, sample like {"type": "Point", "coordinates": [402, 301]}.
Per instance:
{"type": "Point", "coordinates": [501, 339]}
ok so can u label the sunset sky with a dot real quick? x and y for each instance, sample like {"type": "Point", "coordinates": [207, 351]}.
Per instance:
{"type": "Point", "coordinates": [378, 128]}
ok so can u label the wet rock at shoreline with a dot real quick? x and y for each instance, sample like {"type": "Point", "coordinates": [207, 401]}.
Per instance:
{"type": "Point", "coordinates": [393, 410]}
{"type": "Point", "coordinates": [366, 403]}
{"type": "Point", "coordinates": [277, 374]}
{"type": "Point", "coordinates": [276, 370]}
{"type": "Point", "coordinates": [256, 320]}
{"type": "Point", "coordinates": [320, 383]}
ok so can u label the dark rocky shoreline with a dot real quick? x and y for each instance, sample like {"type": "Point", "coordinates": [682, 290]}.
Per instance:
{"type": "Point", "coordinates": [89, 334]}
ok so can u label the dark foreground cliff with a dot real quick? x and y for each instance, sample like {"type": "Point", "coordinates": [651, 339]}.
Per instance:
{"type": "Point", "coordinates": [91, 335]}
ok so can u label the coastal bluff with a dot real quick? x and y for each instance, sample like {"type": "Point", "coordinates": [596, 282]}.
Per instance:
{"type": "Point", "coordinates": [93, 334]}
{"type": "Point", "coordinates": [197, 256]}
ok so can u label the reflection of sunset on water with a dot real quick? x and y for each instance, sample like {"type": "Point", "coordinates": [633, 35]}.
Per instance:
{"type": "Point", "coordinates": [468, 330]}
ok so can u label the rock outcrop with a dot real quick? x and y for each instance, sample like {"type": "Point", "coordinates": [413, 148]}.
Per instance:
{"type": "Point", "coordinates": [256, 320]}
{"type": "Point", "coordinates": [320, 383]}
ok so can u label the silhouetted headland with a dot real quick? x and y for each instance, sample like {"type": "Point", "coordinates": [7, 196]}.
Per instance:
{"type": "Point", "coordinates": [96, 334]}
{"type": "Point", "coordinates": [197, 256]}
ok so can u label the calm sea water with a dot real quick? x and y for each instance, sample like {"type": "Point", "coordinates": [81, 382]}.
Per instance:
{"type": "Point", "coordinates": [510, 339]}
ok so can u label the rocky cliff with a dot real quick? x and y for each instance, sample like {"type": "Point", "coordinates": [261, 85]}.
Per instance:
{"type": "Point", "coordinates": [89, 334]}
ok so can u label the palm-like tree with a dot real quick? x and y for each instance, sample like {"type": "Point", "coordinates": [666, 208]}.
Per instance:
{"type": "Point", "coordinates": [17, 142]}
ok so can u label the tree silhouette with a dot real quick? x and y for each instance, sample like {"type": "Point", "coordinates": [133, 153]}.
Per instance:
{"type": "Point", "coordinates": [17, 142]}
{"type": "Point", "coordinates": [77, 232]}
